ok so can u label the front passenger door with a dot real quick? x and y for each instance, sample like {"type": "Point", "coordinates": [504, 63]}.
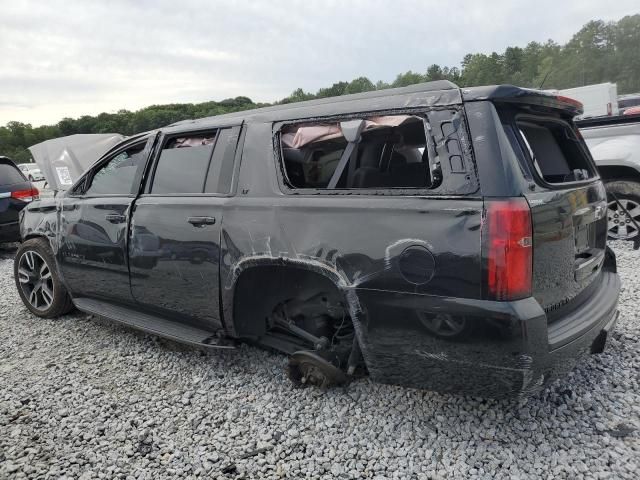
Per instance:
{"type": "Point", "coordinates": [93, 236]}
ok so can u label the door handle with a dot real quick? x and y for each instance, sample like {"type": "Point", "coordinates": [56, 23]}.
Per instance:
{"type": "Point", "coordinates": [115, 218]}
{"type": "Point", "coordinates": [201, 221]}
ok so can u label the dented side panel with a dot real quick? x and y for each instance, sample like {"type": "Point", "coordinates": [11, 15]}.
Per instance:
{"type": "Point", "coordinates": [499, 352]}
{"type": "Point", "coordinates": [368, 246]}
{"type": "Point", "coordinates": [359, 244]}
{"type": "Point", "coordinates": [361, 240]}
{"type": "Point", "coordinates": [41, 219]}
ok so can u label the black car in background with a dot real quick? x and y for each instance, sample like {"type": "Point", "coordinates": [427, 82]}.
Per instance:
{"type": "Point", "coordinates": [430, 236]}
{"type": "Point", "coordinates": [15, 193]}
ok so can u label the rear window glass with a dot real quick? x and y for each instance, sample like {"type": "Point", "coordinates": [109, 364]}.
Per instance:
{"type": "Point", "coordinates": [10, 174]}
{"type": "Point", "coordinates": [183, 164]}
{"type": "Point", "coordinates": [554, 151]}
{"type": "Point", "coordinates": [391, 153]}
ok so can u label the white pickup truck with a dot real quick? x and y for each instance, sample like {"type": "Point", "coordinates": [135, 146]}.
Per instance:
{"type": "Point", "coordinates": [615, 146]}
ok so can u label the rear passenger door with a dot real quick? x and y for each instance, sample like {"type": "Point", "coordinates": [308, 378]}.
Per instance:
{"type": "Point", "coordinates": [174, 250]}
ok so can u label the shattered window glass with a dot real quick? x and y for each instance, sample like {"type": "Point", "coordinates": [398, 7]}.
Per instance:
{"type": "Point", "coordinates": [391, 153]}
{"type": "Point", "coordinates": [554, 151]}
{"type": "Point", "coordinates": [118, 174]}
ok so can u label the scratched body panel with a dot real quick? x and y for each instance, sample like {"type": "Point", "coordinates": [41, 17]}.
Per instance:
{"type": "Point", "coordinates": [174, 266]}
{"type": "Point", "coordinates": [404, 263]}
{"type": "Point", "coordinates": [42, 221]}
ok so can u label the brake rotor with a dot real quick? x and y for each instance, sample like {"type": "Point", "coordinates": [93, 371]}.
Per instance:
{"type": "Point", "coordinates": [314, 368]}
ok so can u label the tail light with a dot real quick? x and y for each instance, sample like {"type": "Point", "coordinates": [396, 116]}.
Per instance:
{"type": "Point", "coordinates": [570, 101]}
{"type": "Point", "coordinates": [26, 195]}
{"type": "Point", "coordinates": [508, 249]}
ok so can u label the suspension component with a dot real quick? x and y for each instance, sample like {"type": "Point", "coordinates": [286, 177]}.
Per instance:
{"type": "Point", "coordinates": [315, 368]}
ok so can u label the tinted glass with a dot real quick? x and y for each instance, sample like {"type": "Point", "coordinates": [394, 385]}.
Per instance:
{"type": "Point", "coordinates": [221, 168]}
{"type": "Point", "coordinates": [183, 164]}
{"type": "Point", "coordinates": [10, 174]}
{"type": "Point", "coordinates": [117, 176]}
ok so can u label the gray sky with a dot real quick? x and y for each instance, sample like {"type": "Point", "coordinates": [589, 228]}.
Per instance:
{"type": "Point", "coordinates": [64, 58]}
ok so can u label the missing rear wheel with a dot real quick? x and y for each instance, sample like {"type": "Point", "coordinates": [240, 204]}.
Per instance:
{"type": "Point", "coordinates": [316, 369]}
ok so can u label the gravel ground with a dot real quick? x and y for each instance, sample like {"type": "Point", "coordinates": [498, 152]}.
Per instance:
{"type": "Point", "coordinates": [82, 398]}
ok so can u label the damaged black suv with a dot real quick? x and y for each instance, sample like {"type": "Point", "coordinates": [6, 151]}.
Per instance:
{"type": "Point", "coordinates": [429, 236]}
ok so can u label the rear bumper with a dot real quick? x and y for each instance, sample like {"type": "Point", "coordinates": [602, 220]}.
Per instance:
{"type": "Point", "coordinates": [504, 349]}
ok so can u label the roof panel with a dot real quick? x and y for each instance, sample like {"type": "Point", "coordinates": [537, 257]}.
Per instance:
{"type": "Point", "coordinates": [441, 92]}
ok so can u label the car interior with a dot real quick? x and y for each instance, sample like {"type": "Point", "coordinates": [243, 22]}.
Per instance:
{"type": "Point", "coordinates": [391, 153]}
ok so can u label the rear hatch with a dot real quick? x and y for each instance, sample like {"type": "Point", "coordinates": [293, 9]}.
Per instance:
{"type": "Point", "coordinates": [566, 198]}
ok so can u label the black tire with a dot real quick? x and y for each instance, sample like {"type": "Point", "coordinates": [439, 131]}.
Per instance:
{"type": "Point", "coordinates": [626, 192]}
{"type": "Point", "coordinates": [38, 248]}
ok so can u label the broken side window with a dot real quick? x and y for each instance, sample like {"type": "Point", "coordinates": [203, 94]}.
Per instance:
{"type": "Point", "coordinates": [379, 152]}
{"type": "Point", "coordinates": [554, 151]}
{"type": "Point", "coordinates": [118, 175]}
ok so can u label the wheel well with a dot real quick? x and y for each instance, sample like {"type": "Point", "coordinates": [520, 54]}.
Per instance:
{"type": "Point", "coordinates": [618, 172]}
{"type": "Point", "coordinates": [37, 235]}
{"type": "Point", "coordinates": [259, 290]}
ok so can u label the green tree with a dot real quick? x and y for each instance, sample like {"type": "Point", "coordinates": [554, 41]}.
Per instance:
{"type": "Point", "coordinates": [335, 90]}
{"type": "Point", "coordinates": [434, 72]}
{"type": "Point", "coordinates": [407, 78]}
{"type": "Point", "coordinates": [359, 85]}
{"type": "Point", "coordinates": [626, 38]}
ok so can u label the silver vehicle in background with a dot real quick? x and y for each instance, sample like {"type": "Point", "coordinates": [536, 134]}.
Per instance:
{"type": "Point", "coordinates": [31, 171]}
{"type": "Point", "coordinates": [614, 143]}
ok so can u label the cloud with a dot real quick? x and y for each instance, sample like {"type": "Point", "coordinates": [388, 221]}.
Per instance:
{"type": "Point", "coordinates": [68, 58]}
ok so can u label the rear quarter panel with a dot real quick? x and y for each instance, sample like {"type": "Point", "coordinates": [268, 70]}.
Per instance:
{"type": "Point", "coordinates": [355, 240]}
{"type": "Point", "coordinates": [358, 236]}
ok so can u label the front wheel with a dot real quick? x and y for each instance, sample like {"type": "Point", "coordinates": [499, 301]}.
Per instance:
{"type": "Point", "coordinates": [39, 285]}
{"type": "Point", "coordinates": [624, 209]}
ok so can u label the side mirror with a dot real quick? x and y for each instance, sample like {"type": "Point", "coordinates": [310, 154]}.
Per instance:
{"type": "Point", "coordinates": [352, 130]}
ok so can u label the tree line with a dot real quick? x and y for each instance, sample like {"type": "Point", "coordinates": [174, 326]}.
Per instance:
{"type": "Point", "coordinates": [599, 52]}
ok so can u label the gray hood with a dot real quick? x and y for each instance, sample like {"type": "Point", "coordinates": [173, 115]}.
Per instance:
{"type": "Point", "coordinates": [63, 160]}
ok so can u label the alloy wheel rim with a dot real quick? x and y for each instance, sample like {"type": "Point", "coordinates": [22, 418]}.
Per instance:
{"type": "Point", "coordinates": [36, 281]}
{"type": "Point", "coordinates": [620, 223]}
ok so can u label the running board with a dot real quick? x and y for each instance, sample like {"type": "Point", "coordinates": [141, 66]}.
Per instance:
{"type": "Point", "coordinates": [151, 324]}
